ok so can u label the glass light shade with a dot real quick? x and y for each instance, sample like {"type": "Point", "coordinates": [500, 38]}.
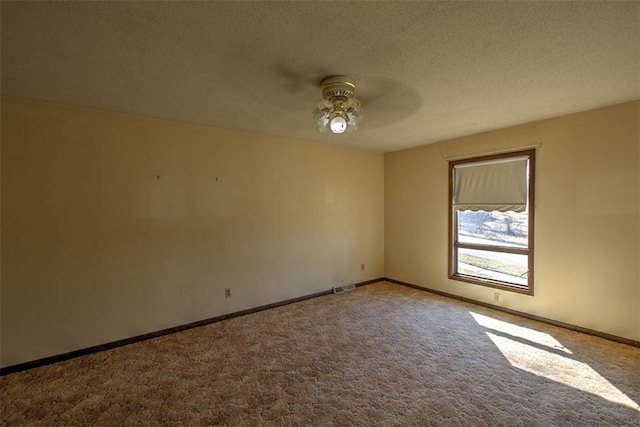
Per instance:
{"type": "Point", "coordinates": [323, 113]}
{"type": "Point", "coordinates": [348, 114]}
{"type": "Point", "coordinates": [354, 119]}
{"type": "Point", "coordinates": [338, 124]}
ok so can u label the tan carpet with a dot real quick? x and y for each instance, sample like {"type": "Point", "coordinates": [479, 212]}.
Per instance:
{"type": "Point", "coordinates": [379, 356]}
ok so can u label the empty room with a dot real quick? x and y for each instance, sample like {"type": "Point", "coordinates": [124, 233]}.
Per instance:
{"type": "Point", "coordinates": [320, 213]}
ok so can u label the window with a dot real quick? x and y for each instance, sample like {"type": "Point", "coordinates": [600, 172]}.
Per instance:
{"type": "Point", "coordinates": [491, 220]}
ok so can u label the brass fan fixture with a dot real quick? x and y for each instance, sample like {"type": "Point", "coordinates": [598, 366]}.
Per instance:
{"type": "Point", "coordinates": [339, 111]}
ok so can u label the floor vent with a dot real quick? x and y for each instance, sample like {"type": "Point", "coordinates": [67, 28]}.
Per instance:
{"type": "Point", "coordinates": [343, 288]}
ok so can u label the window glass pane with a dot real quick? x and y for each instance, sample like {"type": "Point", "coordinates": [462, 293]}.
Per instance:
{"type": "Point", "coordinates": [493, 228]}
{"type": "Point", "coordinates": [510, 268]}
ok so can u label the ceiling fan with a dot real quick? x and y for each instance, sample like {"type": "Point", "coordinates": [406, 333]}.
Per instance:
{"type": "Point", "coordinates": [386, 101]}
{"type": "Point", "coordinates": [339, 111]}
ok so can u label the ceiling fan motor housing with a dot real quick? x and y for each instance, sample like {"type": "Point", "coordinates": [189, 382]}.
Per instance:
{"type": "Point", "coordinates": [339, 111]}
{"type": "Point", "coordinates": [338, 88]}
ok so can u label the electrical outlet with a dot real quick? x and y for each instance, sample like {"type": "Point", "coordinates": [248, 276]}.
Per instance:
{"type": "Point", "coordinates": [496, 297]}
{"type": "Point", "coordinates": [227, 293]}
{"type": "Point", "coordinates": [361, 267]}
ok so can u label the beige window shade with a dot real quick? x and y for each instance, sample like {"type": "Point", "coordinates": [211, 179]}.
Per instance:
{"type": "Point", "coordinates": [495, 185]}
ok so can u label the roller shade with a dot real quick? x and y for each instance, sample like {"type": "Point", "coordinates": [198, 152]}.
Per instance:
{"type": "Point", "coordinates": [494, 185]}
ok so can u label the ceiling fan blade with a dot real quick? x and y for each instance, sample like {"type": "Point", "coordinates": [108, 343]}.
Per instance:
{"type": "Point", "coordinates": [297, 81]}
{"type": "Point", "coordinates": [386, 101]}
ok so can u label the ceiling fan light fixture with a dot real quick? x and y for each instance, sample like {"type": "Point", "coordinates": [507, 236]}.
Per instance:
{"type": "Point", "coordinates": [339, 111]}
{"type": "Point", "coordinates": [338, 124]}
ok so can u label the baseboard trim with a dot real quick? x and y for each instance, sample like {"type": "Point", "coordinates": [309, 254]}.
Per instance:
{"type": "Point", "coordinates": [576, 328]}
{"type": "Point", "coordinates": [368, 282]}
{"type": "Point", "coordinates": [119, 343]}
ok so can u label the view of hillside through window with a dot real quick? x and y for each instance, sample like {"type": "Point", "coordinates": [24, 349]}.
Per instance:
{"type": "Point", "coordinates": [505, 229]}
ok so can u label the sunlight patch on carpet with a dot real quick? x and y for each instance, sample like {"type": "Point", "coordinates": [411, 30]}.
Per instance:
{"type": "Point", "coordinates": [532, 335]}
{"type": "Point", "coordinates": [534, 358]}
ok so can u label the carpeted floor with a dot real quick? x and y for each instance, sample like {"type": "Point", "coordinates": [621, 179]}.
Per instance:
{"type": "Point", "coordinates": [381, 355]}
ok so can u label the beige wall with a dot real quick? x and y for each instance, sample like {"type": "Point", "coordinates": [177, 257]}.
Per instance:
{"type": "Point", "coordinates": [587, 256]}
{"type": "Point", "coordinates": [96, 247]}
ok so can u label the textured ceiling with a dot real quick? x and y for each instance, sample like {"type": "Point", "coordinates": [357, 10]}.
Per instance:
{"type": "Point", "coordinates": [426, 71]}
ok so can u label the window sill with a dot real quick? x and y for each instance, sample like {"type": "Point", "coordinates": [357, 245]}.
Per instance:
{"type": "Point", "coordinates": [505, 286]}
